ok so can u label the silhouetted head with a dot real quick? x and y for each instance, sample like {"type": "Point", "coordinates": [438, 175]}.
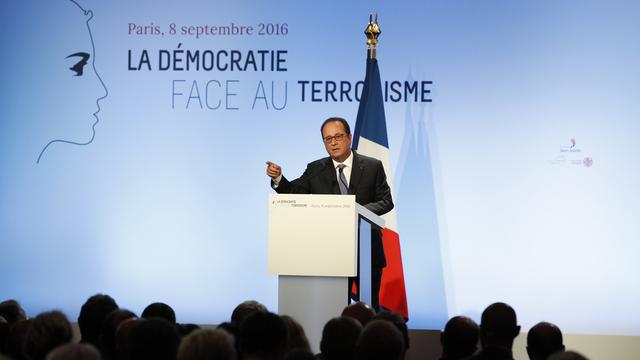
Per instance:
{"type": "Point", "coordinates": [4, 333]}
{"type": "Point", "coordinates": [359, 311]}
{"type": "Point", "coordinates": [186, 329]}
{"type": "Point", "coordinates": [567, 355]}
{"type": "Point", "coordinates": [398, 321]}
{"type": "Point", "coordinates": [153, 338]}
{"type": "Point", "coordinates": [459, 338]}
{"type": "Point", "coordinates": [92, 314]}
{"type": "Point", "coordinates": [207, 344]}
{"type": "Point", "coordinates": [108, 331]}
{"type": "Point", "coordinates": [11, 311]}
{"type": "Point", "coordinates": [380, 340]}
{"type": "Point", "coordinates": [300, 354]}
{"type": "Point", "coordinates": [263, 335]}
{"type": "Point", "coordinates": [15, 339]}
{"type": "Point", "coordinates": [296, 337]}
{"type": "Point", "coordinates": [123, 337]}
{"type": "Point", "coordinates": [244, 309]}
{"type": "Point", "coordinates": [339, 338]}
{"type": "Point", "coordinates": [47, 331]}
{"type": "Point", "coordinates": [499, 326]}
{"type": "Point", "coordinates": [543, 340]}
{"type": "Point", "coordinates": [159, 310]}
{"type": "Point", "coordinates": [234, 331]}
{"type": "Point", "coordinates": [75, 352]}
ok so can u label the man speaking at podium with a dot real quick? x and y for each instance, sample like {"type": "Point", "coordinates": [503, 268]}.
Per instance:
{"type": "Point", "coordinates": [344, 172]}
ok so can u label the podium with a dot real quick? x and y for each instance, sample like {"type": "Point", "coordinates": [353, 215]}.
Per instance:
{"type": "Point", "coordinates": [316, 242]}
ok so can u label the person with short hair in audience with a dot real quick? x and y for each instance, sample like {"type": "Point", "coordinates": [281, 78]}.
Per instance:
{"type": "Point", "coordinates": [153, 338]}
{"type": "Point", "coordinates": [339, 338]}
{"type": "Point", "coordinates": [47, 331]}
{"type": "Point", "coordinates": [74, 352]}
{"type": "Point", "coordinates": [459, 339]}
{"type": "Point", "coordinates": [123, 335]}
{"type": "Point", "coordinates": [263, 336]}
{"type": "Point", "coordinates": [360, 311]}
{"type": "Point", "coordinates": [398, 321]}
{"type": "Point", "coordinates": [544, 339]}
{"type": "Point", "coordinates": [244, 309]}
{"type": "Point", "coordinates": [207, 344]}
{"type": "Point", "coordinates": [186, 329]}
{"type": "Point", "coordinates": [92, 314]}
{"type": "Point", "coordinates": [300, 354]}
{"type": "Point", "coordinates": [159, 310]}
{"type": "Point", "coordinates": [234, 331]}
{"type": "Point", "coordinates": [15, 339]}
{"type": "Point", "coordinates": [498, 329]}
{"type": "Point", "coordinates": [4, 333]}
{"type": "Point", "coordinates": [380, 340]}
{"type": "Point", "coordinates": [11, 311]}
{"type": "Point", "coordinates": [567, 355]}
{"type": "Point", "coordinates": [296, 337]}
{"type": "Point", "coordinates": [108, 331]}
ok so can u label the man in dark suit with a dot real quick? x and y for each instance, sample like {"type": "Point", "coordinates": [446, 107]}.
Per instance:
{"type": "Point", "coordinates": [344, 172]}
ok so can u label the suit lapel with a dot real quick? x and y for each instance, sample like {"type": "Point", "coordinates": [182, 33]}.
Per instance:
{"type": "Point", "coordinates": [356, 173]}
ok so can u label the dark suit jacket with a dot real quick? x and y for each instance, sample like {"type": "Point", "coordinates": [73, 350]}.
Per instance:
{"type": "Point", "coordinates": [368, 183]}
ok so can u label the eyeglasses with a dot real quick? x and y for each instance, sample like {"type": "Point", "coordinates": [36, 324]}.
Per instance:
{"type": "Point", "coordinates": [338, 138]}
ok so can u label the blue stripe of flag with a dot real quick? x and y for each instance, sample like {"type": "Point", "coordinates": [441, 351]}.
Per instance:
{"type": "Point", "coordinates": [371, 122]}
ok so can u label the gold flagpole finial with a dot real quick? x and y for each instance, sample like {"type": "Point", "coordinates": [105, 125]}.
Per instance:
{"type": "Point", "coordinates": [372, 31]}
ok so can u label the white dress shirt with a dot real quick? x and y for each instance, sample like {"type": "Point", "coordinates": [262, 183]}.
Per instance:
{"type": "Point", "coordinates": [347, 169]}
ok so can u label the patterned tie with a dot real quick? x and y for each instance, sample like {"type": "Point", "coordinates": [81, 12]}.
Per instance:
{"type": "Point", "coordinates": [344, 189]}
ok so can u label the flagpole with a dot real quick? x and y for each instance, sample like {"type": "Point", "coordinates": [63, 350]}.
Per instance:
{"type": "Point", "coordinates": [372, 32]}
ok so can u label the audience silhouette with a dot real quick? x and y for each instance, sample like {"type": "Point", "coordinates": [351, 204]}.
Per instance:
{"type": "Point", "coordinates": [47, 331]}
{"type": "Point", "coordinates": [567, 355]}
{"type": "Point", "coordinates": [159, 310]}
{"type": "Point", "coordinates": [11, 312]}
{"type": "Point", "coordinates": [380, 340]}
{"type": "Point", "coordinates": [244, 309]}
{"type": "Point", "coordinates": [498, 328]}
{"type": "Point", "coordinates": [459, 339]}
{"type": "Point", "coordinates": [360, 311]}
{"type": "Point", "coordinates": [153, 338]}
{"type": "Point", "coordinates": [75, 352]}
{"type": "Point", "coordinates": [254, 333]}
{"type": "Point", "coordinates": [339, 338]}
{"type": "Point", "coordinates": [296, 337]}
{"type": "Point", "coordinates": [15, 339]}
{"type": "Point", "coordinates": [207, 344]}
{"type": "Point", "coordinates": [543, 340]}
{"type": "Point", "coordinates": [263, 336]}
{"type": "Point", "coordinates": [92, 314]}
{"type": "Point", "coordinates": [108, 331]}
{"type": "Point", "coordinates": [398, 321]}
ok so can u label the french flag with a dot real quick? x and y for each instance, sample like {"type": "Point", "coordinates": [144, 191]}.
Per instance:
{"type": "Point", "coordinates": [370, 139]}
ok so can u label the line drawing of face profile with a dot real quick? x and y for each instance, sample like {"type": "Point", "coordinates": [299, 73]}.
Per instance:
{"type": "Point", "coordinates": [79, 60]}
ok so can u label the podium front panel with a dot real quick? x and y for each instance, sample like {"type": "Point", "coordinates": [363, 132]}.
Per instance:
{"type": "Point", "coordinates": [312, 235]}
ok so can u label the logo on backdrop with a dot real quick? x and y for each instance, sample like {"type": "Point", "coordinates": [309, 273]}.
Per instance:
{"type": "Point", "coordinates": [571, 154]}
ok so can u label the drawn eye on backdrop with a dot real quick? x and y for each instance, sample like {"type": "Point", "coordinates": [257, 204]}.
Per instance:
{"type": "Point", "coordinates": [78, 67]}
